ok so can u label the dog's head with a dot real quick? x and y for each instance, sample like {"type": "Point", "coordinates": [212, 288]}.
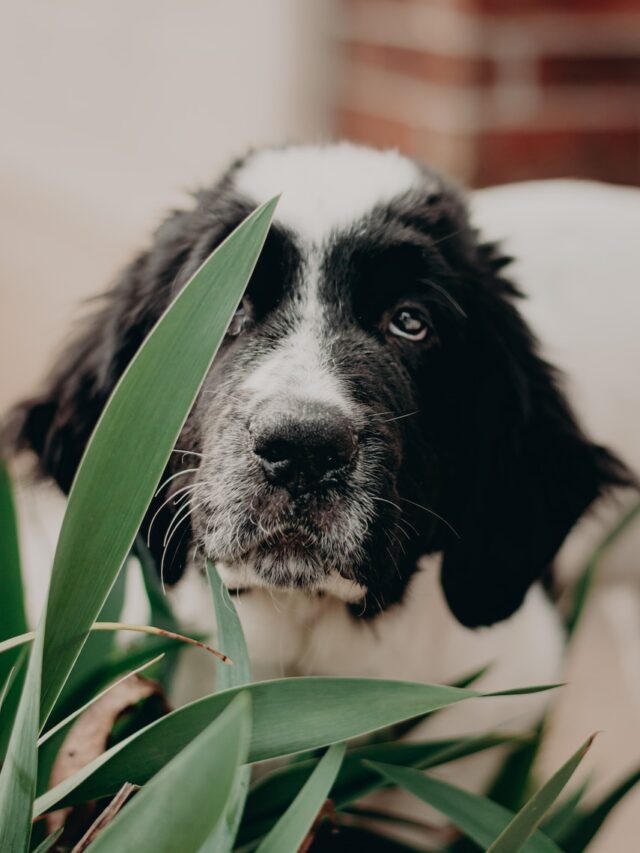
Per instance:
{"type": "Point", "coordinates": [377, 397]}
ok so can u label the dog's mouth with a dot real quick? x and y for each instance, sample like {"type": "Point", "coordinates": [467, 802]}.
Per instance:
{"type": "Point", "coordinates": [288, 554]}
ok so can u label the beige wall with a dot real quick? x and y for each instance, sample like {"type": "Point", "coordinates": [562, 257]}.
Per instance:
{"type": "Point", "coordinates": [110, 110]}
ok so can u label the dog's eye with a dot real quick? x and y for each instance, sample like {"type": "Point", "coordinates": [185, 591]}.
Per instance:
{"type": "Point", "coordinates": [238, 321]}
{"type": "Point", "coordinates": [409, 323]}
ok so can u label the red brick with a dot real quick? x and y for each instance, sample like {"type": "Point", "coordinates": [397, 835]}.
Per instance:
{"type": "Point", "coordinates": [373, 130]}
{"type": "Point", "coordinates": [511, 155]}
{"type": "Point", "coordinates": [435, 68]}
{"type": "Point", "coordinates": [588, 70]}
{"type": "Point", "coordinates": [566, 7]}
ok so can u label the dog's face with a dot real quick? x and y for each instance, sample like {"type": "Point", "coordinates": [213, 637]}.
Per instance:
{"type": "Point", "coordinates": [377, 396]}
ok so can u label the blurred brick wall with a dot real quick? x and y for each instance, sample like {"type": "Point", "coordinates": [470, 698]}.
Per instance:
{"type": "Point", "coordinates": [495, 90]}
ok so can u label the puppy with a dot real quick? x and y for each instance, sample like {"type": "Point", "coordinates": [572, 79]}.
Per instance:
{"type": "Point", "coordinates": [379, 462]}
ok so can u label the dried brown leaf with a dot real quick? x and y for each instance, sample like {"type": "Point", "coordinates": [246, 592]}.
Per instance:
{"type": "Point", "coordinates": [87, 738]}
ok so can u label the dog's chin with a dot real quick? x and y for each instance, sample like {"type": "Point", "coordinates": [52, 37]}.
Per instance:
{"type": "Point", "coordinates": [279, 571]}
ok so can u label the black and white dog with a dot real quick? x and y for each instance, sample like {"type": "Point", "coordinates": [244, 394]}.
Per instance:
{"type": "Point", "coordinates": [379, 459]}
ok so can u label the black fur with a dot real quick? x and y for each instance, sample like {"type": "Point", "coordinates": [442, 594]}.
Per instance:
{"type": "Point", "coordinates": [492, 469]}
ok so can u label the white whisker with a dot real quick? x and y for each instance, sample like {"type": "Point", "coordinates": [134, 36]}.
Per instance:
{"type": "Point", "coordinates": [171, 497]}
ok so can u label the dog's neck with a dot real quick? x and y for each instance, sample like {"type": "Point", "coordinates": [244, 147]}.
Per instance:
{"type": "Point", "coordinates": [290, 632]}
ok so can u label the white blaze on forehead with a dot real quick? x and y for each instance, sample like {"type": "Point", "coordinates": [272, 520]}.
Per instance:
{"type": "Point", "coordinates": [300, 368]}
{"type": "Point", "coordinates": [325, 188]}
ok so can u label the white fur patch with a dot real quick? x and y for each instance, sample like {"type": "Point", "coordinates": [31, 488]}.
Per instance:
{"type": "Point", "coordinates": [299, 368]}
{"type": "Point", "coordinates": [325, 188]}
{"type": "Point", "coordinates": [339, 588]}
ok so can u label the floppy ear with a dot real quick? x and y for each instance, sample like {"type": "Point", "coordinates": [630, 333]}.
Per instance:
{"type": "Point", "coordinates": [525, 472]}
{"type": "Point", "coordinates": [57, 424]}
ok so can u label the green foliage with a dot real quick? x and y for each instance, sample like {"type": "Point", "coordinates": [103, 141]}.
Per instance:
{"type": "Point", "coordinates": [231, 638]}
{"type": "Point", "coordinates": [142, 420]}
{"type": "Point", "coordinates": [580, 592]}
{"type": "Point", "coordinates": [583, 825]}
{"type": "Point", "coordinates": [194, 763]}
{"type": "Point", "coordinates": [290, 830]}
{"type": "Point", "coordinates": [18, 774]}
{"type": "Point", "coordinates": [12, 613]}
{"type": "Point", "coordinates": [289, 715]}
{"type": "Point", "coordinates": [478, 817]}
{"type": "Point", "coordinates": [515, 836]}
{"type": "Point", "coordinates": [12, 610]}
{"type": "Point", "coordinates": [180, 807]}
{"type": "Point", "coordinates": [49, 841]}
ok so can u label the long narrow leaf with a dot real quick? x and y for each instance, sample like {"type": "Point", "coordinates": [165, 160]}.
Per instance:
{"type": "Point", "coordinates": [161, 612]}
{"type": "Point", "coordinates": [290, 831]}
{"type": "Point", "coordinates": [290, 715]}
{"type": "Point", "coordinates": [514, 780]}
{"type": "Point", "coordinates": [13, 619]}
{"type": "Point", "coordinates": [23, 639]}
{"type": "Point", "coordinates": [19, 771]}
{"type": "Point", "coordinates": [524, 824]}
{"type": "Point", "coordinates": [231, 636]}
{"type": "Point", "coordinates": [76, 713]}
{"type": "Point", "coordinates": [583, 585]}
{"type": "Point", "coordinates": [99, 644]}
{"type": "Point", "coordinates": [581, 832]}
{"type": "Point", "coordinates": [183, 803]}
{"type": "Point", "coordinates": [12, 610]}
{"type": "Point", "coordinates": [49, 841]}
{"type": "Point", "coordinates": [479, 818]}
{"type": "Point", "coordinates": [271, 795]}
{"type": "Point", "coordinates": [131, 444]}
{"type": "Point", "coordinates": [558, 822]}
{"type": "Point", "coordinates": [7, 685]}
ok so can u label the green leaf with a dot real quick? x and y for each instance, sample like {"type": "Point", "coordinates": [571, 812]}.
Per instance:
{"type": "Point", "coordinates": [7, 685]}
{"type": "Point", "coordinates": [98, 646]}
{"type": "Point", "coordinates": [14, 685]}
{"type": "Point", "coordinates": [394, 733]}
{"type": "Point", "coordinates": [182, 804]}
{"type": "Point", "coordinates": [49, 841]}
{"type": "Point", "coordinates": [290, 830]}
{"type": "Point", "coordinates": [289, 714]}
{"type": "Point", "coordinates": [580, 833]}
{"type": "Point", "coordinates": [524, 824]}
{"type": "Point", "coordinates": [231, 637]}
{"type": "Point", "coordinates": [271, 795]}
{"type": "Point", "coordinates": [161, 613]}
{"type": "Point", "coordinates": [19, 771]}
{"type": "Point", "coordinates": [556, 824]}
{"type": "Point", "coordinates": [120, 661]}
{"type": "Point", "coordinates": [13, 619]}
{"type": "Point", "coordinates": [583, 585]}
{"type": "Point", "coordinates": [12, 611]}
{"type": "Point", "coordinates": [513, 780]}
{"type": "Point", "coordinates": [23, 639]}
{"type": "Point", "coordinates": [128, 451]}
{"type": "Point", "coordinates": [479, 818]}
{"type": "Point", "coordinates": [76, 713]}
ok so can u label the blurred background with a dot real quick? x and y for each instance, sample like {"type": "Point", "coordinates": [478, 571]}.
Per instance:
{"type": "Point", "coordinates": [113, 111]}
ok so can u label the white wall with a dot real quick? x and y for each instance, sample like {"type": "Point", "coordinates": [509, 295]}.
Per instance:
{"type": "Point", "coordinates": [111, 110]}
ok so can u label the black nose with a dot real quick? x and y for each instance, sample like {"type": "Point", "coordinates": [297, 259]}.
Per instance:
{"type": "Point", "coordinates": [301, 453]}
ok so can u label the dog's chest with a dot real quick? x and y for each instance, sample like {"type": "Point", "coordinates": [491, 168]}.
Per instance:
{"type": "Point", "coordinates": [291, 633]}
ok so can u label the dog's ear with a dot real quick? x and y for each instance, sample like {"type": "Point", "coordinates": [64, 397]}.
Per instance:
{"type": "Point", "coordinates": [57, 424]}
{"type": "Point", "coordinates": [524, 471]}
